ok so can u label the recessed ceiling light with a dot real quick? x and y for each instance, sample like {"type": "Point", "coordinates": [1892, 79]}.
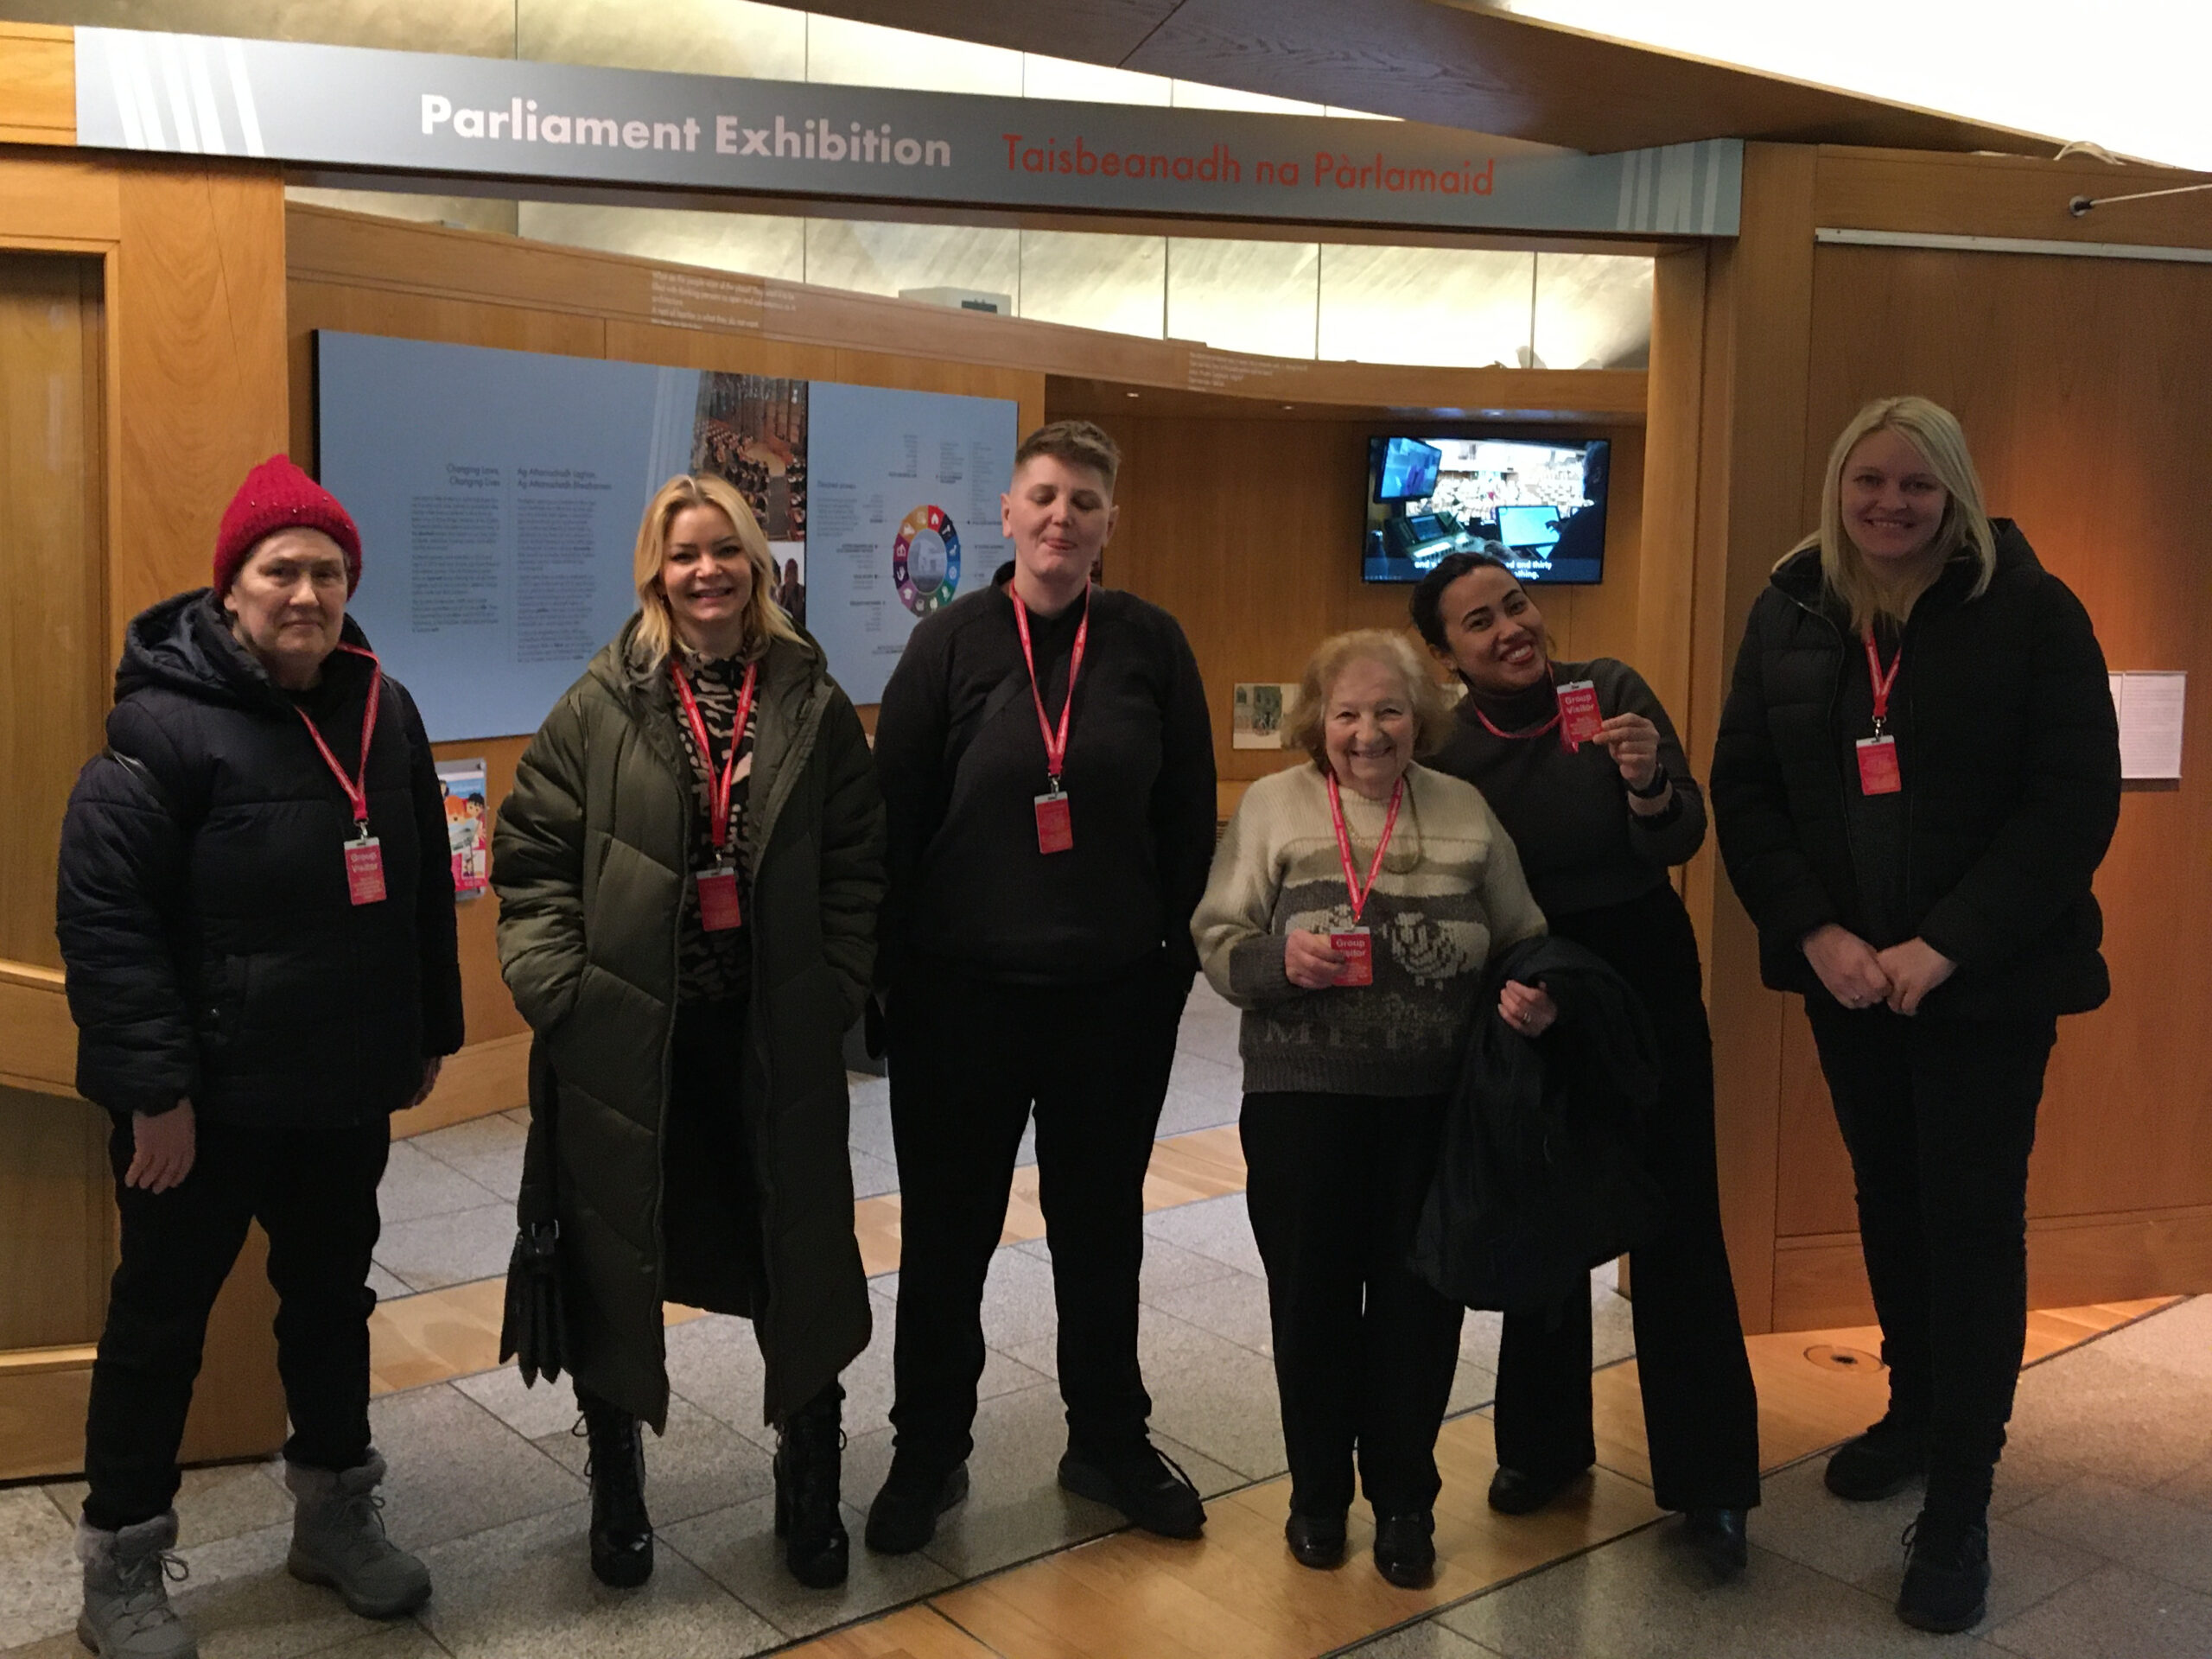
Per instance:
{"type": "Point", "coordinates": [1134, 394]}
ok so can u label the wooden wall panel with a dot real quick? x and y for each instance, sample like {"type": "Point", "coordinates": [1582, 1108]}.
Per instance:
{"type": "Point", "coordinates": [197, 313]}
{"type": "Point", "coordinates": [1249, 531]}
{"type": "Point", "coordinates": [57, 1221]}
{"type": "Point", "coordinates": [123, 450]}
{"type": "Point", "coordinates": [38, 84]}
{"type": "Point", "coordinates": [2068, 375]}
{"type": "Point", "coordinates": [38, 1042]}
{"type": "Point", "coordinates": [2003, 196]}
{"type": "Point", "coordinates": [53, 589]}
{"type": "Point", "coordinates": [1756, 300]}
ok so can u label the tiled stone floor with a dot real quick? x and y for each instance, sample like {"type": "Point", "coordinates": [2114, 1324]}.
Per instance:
{"type": "Point", "coordinates": [2102, 1541]}
{"type": "Point", "coordinates": [2105, 1547]}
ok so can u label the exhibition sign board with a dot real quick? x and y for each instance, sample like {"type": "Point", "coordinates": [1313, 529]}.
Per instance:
{"type": "Point", "coordinates": [499, 493]}
{"type": "Point", "coordinates": [416, 114]}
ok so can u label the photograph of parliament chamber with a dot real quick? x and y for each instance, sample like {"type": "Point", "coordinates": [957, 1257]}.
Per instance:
{"type": "Point", "coordinates": [160, 302]}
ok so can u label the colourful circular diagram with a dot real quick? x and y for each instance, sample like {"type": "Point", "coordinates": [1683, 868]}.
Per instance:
{"type": "Point", "coordinates": [925, 560]}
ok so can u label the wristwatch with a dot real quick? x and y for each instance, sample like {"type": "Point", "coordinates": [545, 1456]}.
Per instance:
{"type": "Point", "coordinates": [1660, 785]}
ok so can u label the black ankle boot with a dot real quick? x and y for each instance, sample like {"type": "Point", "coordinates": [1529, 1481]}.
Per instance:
{"type": "Point", "coordinates": [809, 1465]}
{"type": "Point", "coordinates": [621, 1531]}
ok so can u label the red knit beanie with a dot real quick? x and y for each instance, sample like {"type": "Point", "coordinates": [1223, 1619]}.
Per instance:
{"type": "Point", "coordinates": [277, 495]}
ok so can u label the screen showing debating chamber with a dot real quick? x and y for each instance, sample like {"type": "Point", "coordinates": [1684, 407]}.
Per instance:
{"type": "Point", "coordinates": [1538, 505]}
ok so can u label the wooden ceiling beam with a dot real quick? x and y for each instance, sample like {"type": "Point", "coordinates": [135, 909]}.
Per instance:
{"type": "Point", "coordinates": [1455, 63]}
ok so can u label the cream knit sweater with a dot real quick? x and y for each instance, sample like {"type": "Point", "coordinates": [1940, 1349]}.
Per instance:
{"type": "Point", "coordinates": [1450, 893]}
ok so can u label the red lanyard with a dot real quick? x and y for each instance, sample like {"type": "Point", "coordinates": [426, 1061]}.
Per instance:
{"type": "Point", "coordinates": [1056, 747]}
{"type": "Point", "coordinates": [1526, 731]}
{"type": "Point", "coordinates": [356, 787]}
{"type": "Point", "coordinates": [1352, 883]}
{"type": "Point", "coordinates": [1881, 681]}
{"type": "Point", "coordinates": [718, 803]}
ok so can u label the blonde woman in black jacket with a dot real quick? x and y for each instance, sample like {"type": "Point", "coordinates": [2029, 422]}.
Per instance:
{"type": "Point", "coordinates": [1916, 777]}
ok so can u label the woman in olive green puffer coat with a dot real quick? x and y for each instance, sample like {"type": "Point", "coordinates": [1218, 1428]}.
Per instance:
{"type": "Point", "coordinates": [689, 1106]}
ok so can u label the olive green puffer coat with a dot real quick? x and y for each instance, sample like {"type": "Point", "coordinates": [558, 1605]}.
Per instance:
{"type": "Point", "coordinates": [589, 859]}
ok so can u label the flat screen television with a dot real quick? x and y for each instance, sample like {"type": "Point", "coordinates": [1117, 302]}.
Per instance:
{"type": "Point", "coordinates": [1537, 504]}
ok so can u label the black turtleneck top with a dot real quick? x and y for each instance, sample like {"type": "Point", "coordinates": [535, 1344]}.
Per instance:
{"type": "Point", "coordinates": [1581, 847]}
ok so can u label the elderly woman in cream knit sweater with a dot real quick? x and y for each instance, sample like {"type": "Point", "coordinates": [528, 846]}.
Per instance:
{"type": "Point", "coordinates": [1353, 905]}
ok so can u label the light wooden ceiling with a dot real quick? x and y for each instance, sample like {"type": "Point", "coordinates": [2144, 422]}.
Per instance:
{"type": "Point", "coordinates": [1454, 63]}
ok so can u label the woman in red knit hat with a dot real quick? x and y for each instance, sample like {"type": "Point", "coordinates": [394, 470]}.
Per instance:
{"type": "Point", "coordinates": [256, 910]}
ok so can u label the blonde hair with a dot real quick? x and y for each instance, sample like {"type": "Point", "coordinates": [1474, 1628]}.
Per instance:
{"type": "Point", "coordinates": [1304, 728]}
{"type": "Point", "coordinates": [1935, 432]}
{"type": "Point", "coordinates": [654, 636]}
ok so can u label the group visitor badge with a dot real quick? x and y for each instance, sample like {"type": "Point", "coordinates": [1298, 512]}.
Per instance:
{"type": "Point", "coordinates": [1579, 716]}
{"type": "Point", "coordinates": [718, 909]}
{"type": "Point", "coordinates": [1356, 944]}
{"type": "Point", "coordinates": [1055, 824]}
{"type": "Point", "coordinates": [1574, 712]}
{"type": "Point", "coordinates": [364, 852]}
{"type": "Point", "coordinates": [1878, 755]}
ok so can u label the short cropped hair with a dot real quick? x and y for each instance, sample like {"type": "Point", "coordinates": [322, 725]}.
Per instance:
{"type": "Point", "coordinates": [1074, 443]}
{"type": "Point", "coordinates": [1307, 723]}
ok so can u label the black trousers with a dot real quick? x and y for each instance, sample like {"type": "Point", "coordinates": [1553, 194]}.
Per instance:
{"type": "Point", "coordinates": [314, 1194]}
{"type": "Point", "coordinates": [970, 1059]}
{"type": "Point", "coordinates": [711, 1247]}
{"type": "Point", "coordinates": [1365, 1352]}
{"type": "Point", "coordinates": [1940, 1117]}
{"type": "Point", "coordinates": [1701, 1410]}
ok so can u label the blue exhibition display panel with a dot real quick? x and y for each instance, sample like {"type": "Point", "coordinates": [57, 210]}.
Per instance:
{"type": "Point", "coordinates": [498, 496]}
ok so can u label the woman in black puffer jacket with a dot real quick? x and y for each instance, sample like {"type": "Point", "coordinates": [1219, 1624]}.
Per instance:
{"type": "Point", "coordinates": [1916, 777]}
{"type": "Point", "coordinates": [255, 912]}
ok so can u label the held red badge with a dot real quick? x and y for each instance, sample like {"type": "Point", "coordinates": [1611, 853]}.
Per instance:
{"type": "Point", "coordinates": [1356, 947]}
{"type": "Point", "coordinates": [365, 868]}
{"type": "Point", "coordinates": [1579, 716]}
{"type": "Point", "coordinates": [1356, 944]}
{"type": "Point", "coordinates": [1055, 827]}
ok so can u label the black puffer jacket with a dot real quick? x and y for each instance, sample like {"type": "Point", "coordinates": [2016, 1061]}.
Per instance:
{"type": "Point", "coordinates": [213, 951]}
{"type": "Point", "coordinates": [2010, 751]}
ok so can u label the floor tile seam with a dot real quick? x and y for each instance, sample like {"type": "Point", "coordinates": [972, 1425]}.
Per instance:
{"type": "Point", "coordinates": [2128, 1324]}
{"type": "Point", "coordinates": [443, 1162]}
{"type": "Point", "coordinates": [2133, 1563]}
{"type": "Point", "coordinates": [463, 1284]}
{"type": "Point", "coordinates": [1437, 1612]}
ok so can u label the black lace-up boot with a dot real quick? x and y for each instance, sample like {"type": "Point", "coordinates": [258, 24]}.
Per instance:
{"type": "Point", "coordinates": [621, 1531]}
{"type": "Point", "coordinates": [810, 1459]}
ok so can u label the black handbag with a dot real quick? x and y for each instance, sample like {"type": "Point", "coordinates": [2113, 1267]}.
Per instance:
{"type": "Point", "coordinates": [534, 1331]}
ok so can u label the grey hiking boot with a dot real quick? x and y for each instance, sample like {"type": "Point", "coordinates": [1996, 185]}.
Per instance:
{"type": "Point", "coordinates": [338, 1539]}
{"type": "Point", "coordinates": [127, 1614]}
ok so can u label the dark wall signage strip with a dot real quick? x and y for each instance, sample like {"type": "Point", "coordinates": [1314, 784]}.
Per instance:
{"type": "Point", "coordinates": [494, 118]}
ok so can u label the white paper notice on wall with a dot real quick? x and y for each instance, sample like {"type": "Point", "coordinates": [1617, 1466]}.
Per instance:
{"type": "Point", "coordinates": [2149, 706]}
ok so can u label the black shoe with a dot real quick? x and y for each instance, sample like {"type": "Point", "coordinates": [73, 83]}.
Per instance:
{"type": "Point", "coordinates": [1405, 1548]}
{"type": "Point", "coordinates": [1512, 1492]}
{"type": "Point", "coordinates": [1719, 1538]}
{"type": "Point", "coordinates": [1315, 1540]}
{"type": "Point", "coordinates": [1945, 1573]}
{"type": "Point", "coordinates": [809, 1459]}
{"type": "Point", "coordinates": [621, 1531]}
{"type": "Point", "coordinates": [1881, 1463]}
{"type": "Point", "coordinates": [903, 1516]}
{"type": "Point", "coordinates": [1143, 1483]}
